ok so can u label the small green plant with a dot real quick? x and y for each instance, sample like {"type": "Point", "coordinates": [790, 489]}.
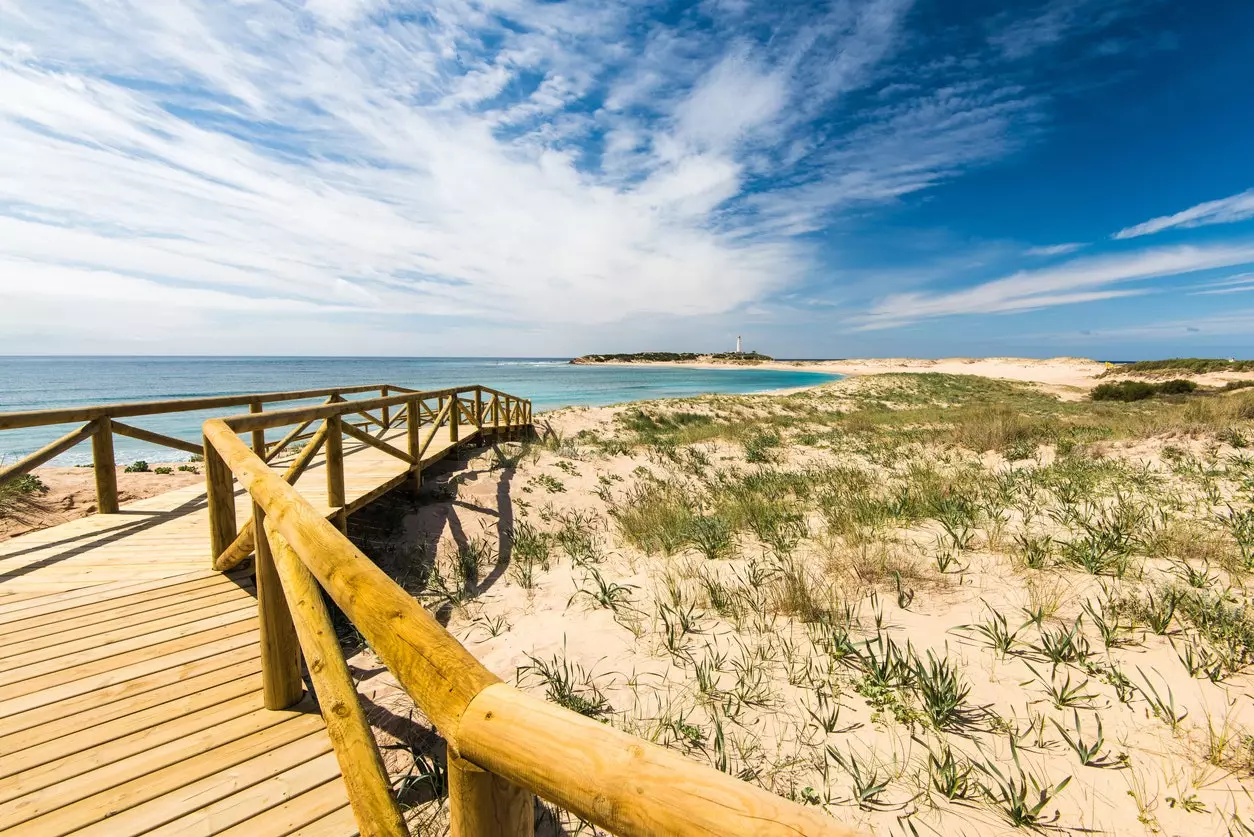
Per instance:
{"type": "Point", "coordinates": [17, 493]}
{"type": "Point", "coordinates": [1063, 645]}
{"type": "Point", "coordinates": [868, 783]}
{"type": "Point", "coordinates": [1088, 752]}
{"type": "Point", "coordinates": [948, 777]}
{"type": "Point", "coordinates": [568, 684]}
{"type": "Point", "coordinates": [711, 536]}
{"type": "Point", "coordinates": [942, 691]}
{"type": "Point", "coordinates": [996, 632]}
{"type": "Point", "coordinates": [189, 469]}
{"type": "Point", "coordinates": [1035, 551]}
{"type": "Point", "coordinates": [548, 482]}
{"type": "Point", "coordinates": [1066, 695]}
{"type": "Point", "coordinates": [1020, 798]}
{"type": "Point", "coordinates": [606, 593]}
{"type": "Point", "coordinates": [163, 469]}
{"type": "Point", "coordinates": [1163, 708]}
{"type": "Point", "coordinates": [759, 448]}
{"type": "Point", "coordinates": [139, 466]}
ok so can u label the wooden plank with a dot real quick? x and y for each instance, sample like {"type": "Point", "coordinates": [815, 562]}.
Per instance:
{"type": "Point", "coordinates": [77, 639]}
{"type": "Point", "coordinates": [336, 824]}
{"type": "Point", "coordinates": [246, 690]}
{"type": "Point", "coordinates": [234, 718]}
{"type": "Point", "coordinates": [149, 774]}
{"type": "Point", "coordinates": [301, 811]}
{"type": "Point", "coordinates": [71, 628]}
{"type": "Point", "coordinates": [113, 700]}
{"type": "Point", "coordinates": [66, 599]}
{"type": "Point", "coordinates": [227, 797]}
{"type": "Point", "coordinates": [237, 618]}
{"type": "Point", "coordinates": [24, 696]}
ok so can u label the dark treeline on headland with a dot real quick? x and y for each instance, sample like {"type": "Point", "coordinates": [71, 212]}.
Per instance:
{"type": "Point", "coordinates": [656, 357]}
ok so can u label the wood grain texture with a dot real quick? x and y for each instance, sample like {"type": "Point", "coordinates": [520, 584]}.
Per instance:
{"type": "Point", "coordinates": [624, 784]}
{"type": "Point", "coordinates": [483, 805]}
{"type": "Point", "coordinates": [365, 777]}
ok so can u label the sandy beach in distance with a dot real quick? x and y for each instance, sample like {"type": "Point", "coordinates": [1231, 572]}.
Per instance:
{"type": "Point", "coordinates": [1065, 376]}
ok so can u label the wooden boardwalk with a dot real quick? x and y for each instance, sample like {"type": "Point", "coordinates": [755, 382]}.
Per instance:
{"type": "Point", "coordinates": [130, 677]}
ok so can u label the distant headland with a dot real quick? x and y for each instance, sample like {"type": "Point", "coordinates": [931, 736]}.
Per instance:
{"type": "Point", "coordinates": [675, 357]}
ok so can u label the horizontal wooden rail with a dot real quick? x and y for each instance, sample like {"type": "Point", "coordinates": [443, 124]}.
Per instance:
{"type": "Point", "coordinates": [65, 415]}
{"type": "Point", "coordinates": [243, 422]}
{"type": "Point", "coordinates": [607, 777]}
{"type": "Point", "coordinates": [48, 451]}
{"type": "Point", "coordinates": [155, 438]}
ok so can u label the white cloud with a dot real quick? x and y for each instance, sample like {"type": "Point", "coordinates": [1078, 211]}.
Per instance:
{"type": "Point", "coordinates": [1238, 283]}
{"type": "Point", "coordinates": [1053, 249]}
{"type": "Point", "coordinates": [1224, 211]}
{"type": "Point", "coordinates": [1079, 280]}
{"type": "Point", "coordinates": [499, 162]}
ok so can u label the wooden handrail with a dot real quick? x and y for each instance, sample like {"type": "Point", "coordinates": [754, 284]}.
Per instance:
{"type": "Point", "coordinates": [347, 727]}
{"type": "Point", "coordinates": [244, 542]}
{"type": "Point", "coordinates": [155, 438]}
{"type": "Point", "coordinates": [65, 415]}
{"type": "Point", "coordinates": [48, 451]}
{"type": "Point", "coordinates": [605, 776]}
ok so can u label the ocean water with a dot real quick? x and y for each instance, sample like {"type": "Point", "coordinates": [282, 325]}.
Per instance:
{"type": "Point", "coordinates": [34, 383]}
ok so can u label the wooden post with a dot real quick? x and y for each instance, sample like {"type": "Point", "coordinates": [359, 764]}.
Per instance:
{"type": "Point", "coordinates": [452, 418]}
{"type": "Point", "coordinates": [280, 648]}
{"type": "Point", "coordinates": [259, 436]}
{"type": "Point", "coordinates": [496, 417]}
{"type": "Point", "coordinates": [365, 777]}
{"type": "Point", "coordinates": [335, 469]}
{"type": "Point", "coordinates": [387, 412]}
{"type": "Point", "coordinates": [413, 427]}
{"type": "Point", "coordinates": [220, 494]}
{"type": "Point", "coordinates": [479, 407]}
{"type": "Point", "coordinates": [483, 805]}
{"type": "Point", "coordinates": [105, 467]}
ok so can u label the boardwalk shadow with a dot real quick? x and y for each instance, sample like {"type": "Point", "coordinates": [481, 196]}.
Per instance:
{"type": "Point", "coordinates": [403, 534]}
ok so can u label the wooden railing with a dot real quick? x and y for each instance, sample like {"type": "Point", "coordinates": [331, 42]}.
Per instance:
{"type": "Point", "coordinates": [503, 745]}
{"type": "Point", "coordinates": [459, 413]}
{"type": "Point", "coordinates": [101, 423]}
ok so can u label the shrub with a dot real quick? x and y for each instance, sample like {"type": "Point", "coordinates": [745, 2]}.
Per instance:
{"type": "Point", "coordinates": [1176, 386]}
{"type": "Point", "coordinates": [1123, 391]}
{"type": "Point", "coordinates": [139, 466]}
{"type": "Point", "coordinates": [163, 469]}
{"type": "Point", "coordinates": [16, 493]}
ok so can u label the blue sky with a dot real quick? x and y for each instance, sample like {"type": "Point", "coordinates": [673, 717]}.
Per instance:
{"type": "Point", "coordinates": [372, 177]}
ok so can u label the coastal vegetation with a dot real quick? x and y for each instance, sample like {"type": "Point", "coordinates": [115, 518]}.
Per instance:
{"type": "Point", "coordinates": [1140, 390]}
{"type": "Point", "coordinates": [1182, 365]}
{"type": "Point", "coordinates": [925, 603]}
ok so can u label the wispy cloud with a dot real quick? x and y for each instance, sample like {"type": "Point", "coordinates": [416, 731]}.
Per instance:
{"type": "Point", "coordinates": [1053, 249]}
{"type": "Point", "coordinates": [1224, 211]}
{"type": "Point", "coordinates": [548, 163]}
{"type": "Point", "coordinates": [1238, 283]}
{"type": "Point", "coordinates": [1079, 280]}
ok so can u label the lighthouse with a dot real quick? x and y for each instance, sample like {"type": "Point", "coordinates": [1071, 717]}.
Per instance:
{"type": "Point", "coordinates": [738, 344]}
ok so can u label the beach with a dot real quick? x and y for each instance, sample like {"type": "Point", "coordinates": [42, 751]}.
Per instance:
{"type": "Point", "coordinates": [877, 595]}
{"type": "Point", "coordinates": [885, 595]}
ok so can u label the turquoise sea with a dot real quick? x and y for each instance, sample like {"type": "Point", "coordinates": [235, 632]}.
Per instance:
{"type": "Point", "coordinates": [34, 383]}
